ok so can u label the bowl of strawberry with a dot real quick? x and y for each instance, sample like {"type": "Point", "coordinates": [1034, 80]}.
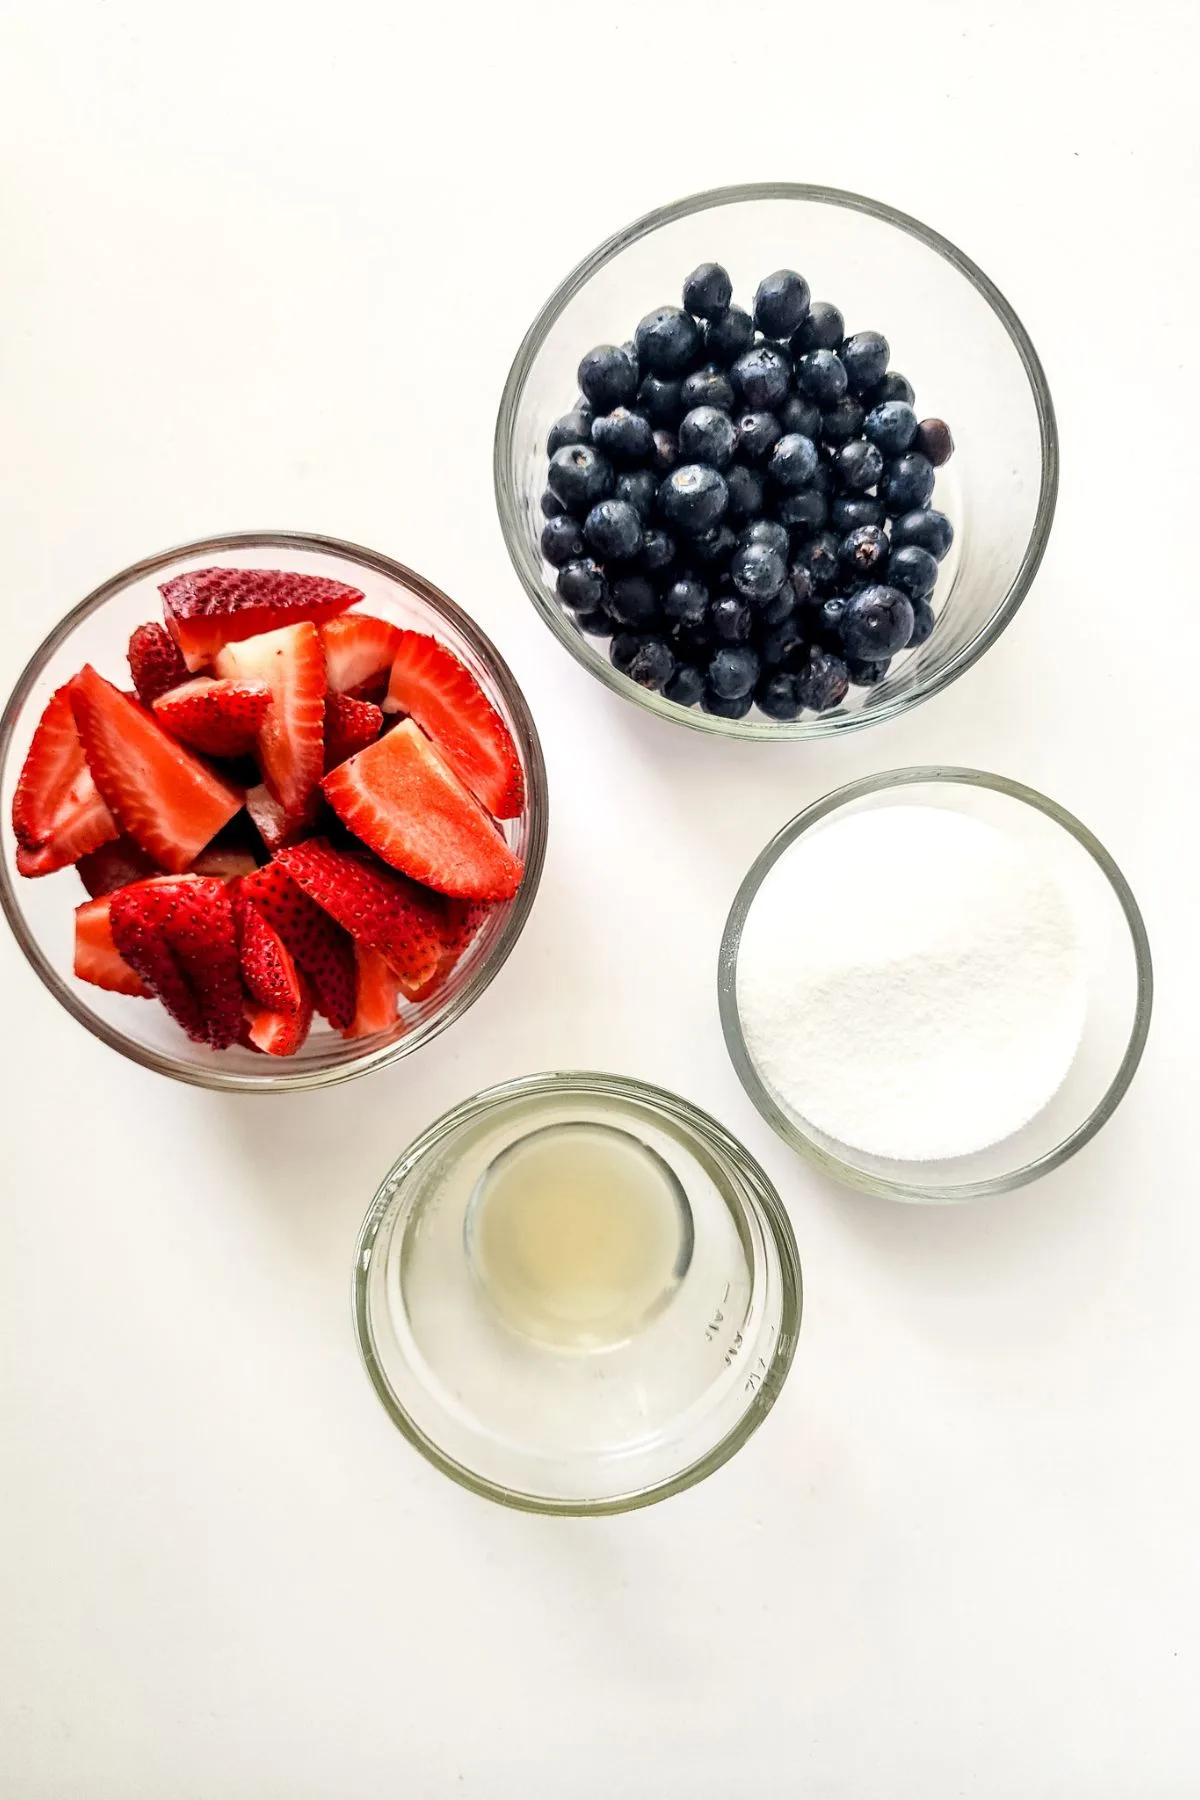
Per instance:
{"type": "Point", "coordinates": [276, 812]}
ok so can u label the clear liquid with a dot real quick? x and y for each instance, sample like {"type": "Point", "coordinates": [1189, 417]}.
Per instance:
{"type": "Point", "coordinates": [579, 1234]}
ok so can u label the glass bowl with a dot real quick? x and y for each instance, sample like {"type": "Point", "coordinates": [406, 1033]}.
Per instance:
{"type": "Point", "coordinates": [41, 911]}
{"type": "Point", "coordinates": [1118, 983]}
{"type": "Point", "coordinates": [952, 333]}
{"type": "Point", "coordinates": [562, 1366]}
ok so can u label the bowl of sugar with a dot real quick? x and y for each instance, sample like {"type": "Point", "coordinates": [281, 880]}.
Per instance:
{"type": "Point", "coordinates": [936, 984]}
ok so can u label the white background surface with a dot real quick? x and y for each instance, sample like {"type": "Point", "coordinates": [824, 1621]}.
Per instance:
{"type": "Point", "coordinates": [267, 265]}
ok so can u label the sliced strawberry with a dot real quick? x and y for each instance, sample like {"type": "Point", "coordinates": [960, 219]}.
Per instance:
{"type": "Point", "coordinates": [139, 916]}
{"type": "Point", "coordinates": [432, 687]}
{"type": "Point", "coordinates": [155, 662]}
{"type": "Point", "coordinates": [358, 654]}
{"type": "Point", "coordinates": [222, 718]}
{"type": "Point", "coordinates": [209, 608]}
{"type": "Point", "coordinates": [97, 958]}
{"type": "Point", "coordinates": [378, 994]}
{"type": "Point", "coordinates": [462, 923]}
{"type": "Point", "coordinates": [376, 906]}
{"type": "Point", "coordinates": [224, 860]}
{"type": "Point", "coordinates": [161, 795]}
{"type": "Point", "coordinates": [114, 866]}
{"type": "Point", "coordinates": [279, 1033]}
{"type": "Point", "coordinates": [269, 972]}
{"type": "Point", "coordinates": [323, 951]}
{"type": "Point", "coordinates": [58, 814]}
{"type": "Point", "coordinates": [408, 806]}
{"type": "Point", "coordinates": [350, 725]}
{"type": "Point", "coordinates": [291, 743]}
{"type": "Point", "coordinates": [177, 932]}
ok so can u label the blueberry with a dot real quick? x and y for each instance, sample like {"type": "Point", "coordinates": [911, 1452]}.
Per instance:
{"type": "Point", "coordinates": [725, 709]}
{"type": "Point", "coordinates": [726, 336]}
{"type": "Point", "coordinates": [686, 685]}
{"type": "Point", "coordinates": [665, 453]}
{"type": "Point", "coordinates": [731, 619]}
{"type": "Point", "coordinates": [707, 291]}
{"type": "Point", "coordinates": [864, 551]}
{"type": "Point", "coordinates": [597, 623]}
{"type": "Point", "coordinates": [640, 488]}
{"type": "Point", "coordinates": [653, 665]}
{"type": "Point", "coordinates": [661, 401]}
{"type": "Point", "coordinates": [623, 649]}
{"type": "Point", "coordinates": [801, 415]}
{"type": "Point", "coordinates": [608, 376]}
{"type": "Point", "coordinates": [793, 461]}
{"type": "Point", "coordinates": [865, 359]}
{"type": "Point", "coordinates": [707, 386]}
{"type": "Point", "coordinates": [859, 465]}
{"type": "Point", "coordinates": [733, 673]}
{"type": "Point", "coordinates": [693, 497]}
{"type": "Point", "coordinates": [849, 511]}
{"type": "Point", "coordinates": [686, 601]}
{"type": "Point", "coordinates": [745, 492]}
{"type": "Point", "coordinates": [913, 571]}
{"type": "Point", "coordinates": [934, 441]}
{"type": "Point", "coordinates": [907, 483]}
{"type": "Point", "coordinates": [658, 551]}
{"type": "Point", "coordinates": [805, 511]}
{"type": "Point", "coordinates": [572, 428]}
{"type": "Point", "coordinates": [707, 435]}
{"type": "Point", "coordinates": [892, 426]}
{"type": "Point", "coordinates": [819, 374]}
{"type": "Point", "coordinates": [929, 528]}
{"type": "Point", "coordinates": [782, 644]}
{"type": "Point", "coordinates": [922, 623]}
{"type": "Point", "coordinates": [866, 674]}
{"type": "Point", "coordinates": [781, 303]}
{"type": "Point", "coordinates": [633, 603]}
{"type": "Point", "coordinates": [758, 433]}
{"type": "Point", "coordinates": [800, 581]}
{"type": "Point", "coordinates": [580, 476]}
{"type": "Point", "coordinates": [758, 571]}
{"type": "Point", "coordinates": [842, 422]}
{"type": "Point", "coordinates": [624, 436]}
{"type": "Point", "coordinates": [777, 696]}
{"type": "Point", "coordinates": [765, 531]}
{"type": "Point", "coordinates": [667, 340]}
{"type": "Point", "coordinates": [614, 530]}
{"type": "Point", "coordinates": [823, 682]}
{"type": "Point", "coordinates": [552, 506]}
{"type": "Point", "coordinates": [762, 375]}
{"type": "Point", "coordinates": [562, 541]}
{"type": "Point", "coordinates": [823, 329]}
{"type": "Point", "coordinates": [819, 559]}
{"type": "Point", "coordinates": [693, 643]}
{"type": "Point", "coordinates": [825, 621]}
{"type": "Point", "coordinates": [876, 622]}
{"type": "Point", "coordinates": [712, 549]}
{"type": "Point", "coordinates": [892, 387]}
{"type": "Point", "coordinates": [581, 585]}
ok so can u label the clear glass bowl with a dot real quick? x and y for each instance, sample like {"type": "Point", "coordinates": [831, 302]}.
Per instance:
{"type": "Point", "coordinates": [952, 333]}
{"type": "Point", "coordinates": [546, 1420]}
{"type": "Point", "coordinates": [1118, 976]}
{"type": "Point", "coordinates": [41, 911]}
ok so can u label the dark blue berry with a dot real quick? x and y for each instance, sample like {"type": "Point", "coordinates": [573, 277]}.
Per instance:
{"type": "Point", "coordinates": [922, 623]}
{"type": "Point", "coordinates": [608, 377]}
{"type": "Point", "coordinates": [633, 602]}
{"type": "Point", "coordinates": [665, 453]}
{"type": "Point", "coordinates": [693, 497]}
{"type": "Point", "coordinates": [726, 336]}
{"type": "Point", "coordinates": [733, 673]}
{"type": "Point", "coordinates": [623, 649]}
{"type": "Point", "coordinates": [892, 387]}
{"type": "Point", "coordinates": [581, 585]}
{"type": "Point", "coordinates": [640, 488]}
{"type": "Point", "coordinates": [793, 461]}
{"type": "Point", "coordinates": [819, 559]}
{"type": "Point", "coordinates": [758, 433]}
{"type": "Point", "coordinates": [709, 386]}
{"type": "Point", "coordinates": [864, 551]}
{"type": "Point", "coordinates": [707, 291]}
{"type": "Point", "coordinates": [686, 601]}
{"type": "Point", "coordinates": [614, 530]}
{"type": "Point", "coordinates": [859, 465]}
{"type": "Point", "coordinates": [823, 329]}
{"type": "Point", "coordinates": [800, 581]}
{"type": "Point", "coordinates": [758, 571]}
{"type": "Point", "coordinates": [661, 401]}
{"type": "Point", "coordinates": [707, 435]}
{"type": "Point", "coordinates": [624, 436]}
{"type": "Point", "coordinates": [934, 441]}
{"type": "Point", "coordinates": [712, 549]}
{"type": "Point", "coordinates": [782, 644]}
{"type": "Point", "coordinates": [913, 571]}
{"type": "Point", "coordinates": [686, 685]}
{"type": "Point", "coordinates": [907, 483]}
{"type": "Point", "coordinates": [802, 415]}
{"type": "Point", "coordinates": [777, 696]}
{"type": "Point", "coordinates": [580, 476]}
{"type": "Point", "coordinates": [927, 527]}
{"type": "Point", "coordinates": [779, 607]}
{"type": "Point", "coordinates": [805, 511]}
{"type": "Point", "coordinates": [849, 511]}
{"type": "Point", "coordinates": [762, 376]}
{"type": "Point", "coordinates": [842, 422]}
{"type": "Point", "coordinates": [892, 426]}
{"type": "Point", "coordinates": [693, 643]}
{"type": "Point", "coordinates": [667, 339]}
{"type": "Point", "coordinates": [823, 682]}
{"type": "Point", "coordinates": [653, 665]}
{"type": "Point", "coordinates": [825, 621]}
{"type": "Point", "coordinates": [819, 373]}
{"type": "Point", "coordinates": [866, 674]}
{"type": "Point", "coordinates": [781, 303]}
{"type": "Point", "coordinates": [731, 619]}
{"type": "Point", "coordinates": [746, 492]}
{"type": "Point", "coordinates": [876, 622]}
{"type": "Point", "coordinates": [658, 551]}
{"type": "Point", "coordinates": [572, 428]}
{"type": "Point", "coordinates": [765, 531]}
{"type": "Point", "coordinates": [562, 541]}
{"type": "Point", "coordinates": [552, 506]}
{"type": "Point", "coordinates": [865, 358]}
{"type": "Point", "coordinates": [726, 709]}
{"type": "Point", "coordinates": [595, 624]}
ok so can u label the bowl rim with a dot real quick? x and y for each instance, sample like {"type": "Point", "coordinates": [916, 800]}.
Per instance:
{"type": "Point", "coordinates": [528, 568]}
{"type": "Point", "coordinates": [763, 1200]}
{"type": "Point", "coordinates": [283, 1079]}
{"type": "Point", "coordinates": [787, 1128]}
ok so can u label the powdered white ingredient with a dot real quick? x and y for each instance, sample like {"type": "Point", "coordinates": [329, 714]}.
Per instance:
{"type": "Point", "coordinates": [911, 982]}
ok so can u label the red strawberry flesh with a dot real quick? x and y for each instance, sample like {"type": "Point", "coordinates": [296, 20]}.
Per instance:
{"type": "Point", "coordinates": [269, 971]}
{"type": "Point", "coordinates": [291, 743]}
{"type": "Point", "coordinates": [322, 950]}
{"type": "Point", "coordinates": [114, 866]}
{"type": "Point", "coordinates": [350, 725]}
{"type": "Point", "coordinates": [97, 958]}
{"type": "Point", "coordinates": [358, 654]}
{"type": "Point", "coordinates": [376, 906]}
{"type": "Point", "coordinates": [155, 662]}
{"type": "Point", "coordinates": [208, 608]}
{"type": "Point", "coordinates": [378, 994]}
{"type": "Point", "coordinates": [279, 1033]}
{"type": "Point", "coordinates": [178, 934]}
{"type": "Point", "coordinates": [58, 813]}
{"type": "Point", "coordinates": [222, 718]}
{"type": "Point", "coordinates": [430, 684]}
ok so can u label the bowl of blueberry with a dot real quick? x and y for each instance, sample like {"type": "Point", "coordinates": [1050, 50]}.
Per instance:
{"type": "Point", "coordinates": [776, 460]}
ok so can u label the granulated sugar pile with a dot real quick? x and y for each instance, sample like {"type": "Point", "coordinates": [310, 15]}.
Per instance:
{"type": "Point", "coordinates": [911, 982]}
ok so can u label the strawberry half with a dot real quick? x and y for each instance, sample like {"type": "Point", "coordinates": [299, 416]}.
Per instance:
{"type": "Point", "coordinates": [376, 906]}
{"type": "Point", "coordinates": [97, 958]}
{"type": "Point", "coordinates": [58, 814]}
{"type": "Point", "coordinates": [323, 951]}
{"type": "Point", "coordinates": [178, 935]}
{"type": "Point", "coordinates": [209, 608]}
{"type": "Point", "coordinates": [279, 1033]}
{"type": "Point", "coordinates": [291, 743]}
{"type": "Point", "coordinates": [378, 994]}
{"type": "Point", "coordinates": [350, 725]}
{"type": "Point", "coordinates": [114, 866]}
{"type": "Point", "coordinates": [358, 654]}
{"type": "Point", "coordinates": [462, 923]}
{"type": "Point", "coordinates": [155, 662]}
{"type": "Point", "coordinates": [408, 806]}
{"type": "Point", "coordinates": [432, 687]}
{"type": "Point", "coordinates": [269, 971]}
{"type": "Point", "coordinates": [221, 718]}
{"type": "Point", "coordinates": [162, 796]}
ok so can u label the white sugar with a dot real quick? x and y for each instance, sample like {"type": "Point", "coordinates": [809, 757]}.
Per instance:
{"type": "Point", "coordinates": [911, 982]}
